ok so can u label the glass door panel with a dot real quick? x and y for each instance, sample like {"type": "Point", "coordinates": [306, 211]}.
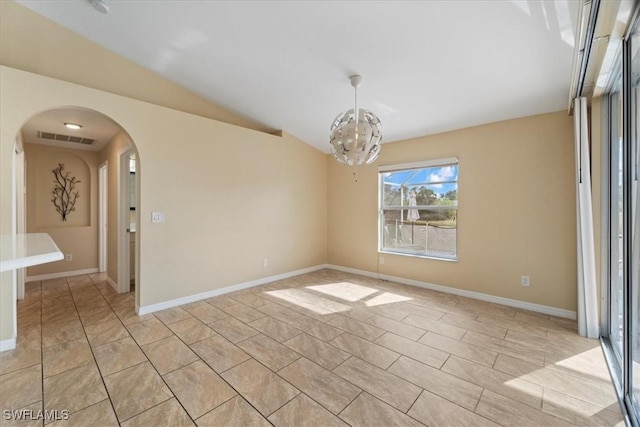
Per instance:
{"type": "Point", "coordinates": [616, 231]}
{"type": "Point", "coordinates": [633, 118]}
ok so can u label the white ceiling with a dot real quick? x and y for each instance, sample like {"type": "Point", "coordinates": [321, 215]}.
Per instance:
{"type": "Point", "coordinates": [428, 66]}
{"type": "Point", "coordinates": [94, 125]}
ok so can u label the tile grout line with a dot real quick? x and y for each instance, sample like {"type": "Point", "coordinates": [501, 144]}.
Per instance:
{"type": "Point", "coordinates": [420, 361]}
{"type": "Point", "coordinates": [410, 382]}
{"type": "Point", "coordinates": [41, 350]}
{"type": "Point", "coordinates": [214, 371]}
{"type": "Point", "coordinates": [416, 399]}
{"type": "Point", "coordinates": [145, 355]}
{"type": "Point", "coordinates": [178, 400]}
{"type": "Point", "coordinates": [238, 395]}
{"type": "Point", "coordinates": [154, 368]}
{"type": "Point", "coordinates": [444, 363]}
{"type": "Point", "coordinates": [247, 400]}
{"type": "Point", "coordinates": [349, 404]}
{"type": "Point", "coordinates": [475, 407]}
{"type": "Point", "coordinates": [311, 398]}
{"type": "Point", "coordinates": [356, 386]}
{"type": "Point", "coordinates": [199, 359]}
{"type": "Point", "coordinates": [91, 348]}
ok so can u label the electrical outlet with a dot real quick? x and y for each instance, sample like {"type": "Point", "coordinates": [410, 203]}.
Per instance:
{"type": "Point", "coordinates": [68, 257]}
{"type": "Point", "coordinates": [265, 262]}
{"type": "Point", "coordinates": [524, 280]}
{"type": "Point", "coordinates": [381, 260]}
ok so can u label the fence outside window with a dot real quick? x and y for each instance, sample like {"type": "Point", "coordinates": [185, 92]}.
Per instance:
{"type": "Point", "coordinates": [419, 208]}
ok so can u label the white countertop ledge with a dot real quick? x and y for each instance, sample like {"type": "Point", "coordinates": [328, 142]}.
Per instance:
{"type": "Point", "coordinates": [24, 250]}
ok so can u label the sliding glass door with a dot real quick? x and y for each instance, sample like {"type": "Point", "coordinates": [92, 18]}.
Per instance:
{"type": "Point", "coordinates": [616, 226]}
{"type": "Point", "coordinates": [632, 90]}
{"type": "Point", "coordinates": [623, 251]}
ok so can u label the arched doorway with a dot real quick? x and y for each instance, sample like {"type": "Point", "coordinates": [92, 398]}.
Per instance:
{"type": "Point", "coordinates": [91, 226]}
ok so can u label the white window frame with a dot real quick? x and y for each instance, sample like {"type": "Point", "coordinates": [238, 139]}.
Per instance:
{"type": "Point", "coordinates": [449, 161]}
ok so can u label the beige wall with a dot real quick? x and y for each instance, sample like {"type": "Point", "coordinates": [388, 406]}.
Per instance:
{"type": "Point", "coordinates": [111, 154]}
{"type": "Point", "coordinates": [78, 236]}
{"type": "Point", "coordinates": [516, 211]}
{"type": "Point", "coordinates": [231, 196]}
{"type": "Point", "coordinates": [7, 279]}
{"type": "Point", "coordinates": [30, 42]}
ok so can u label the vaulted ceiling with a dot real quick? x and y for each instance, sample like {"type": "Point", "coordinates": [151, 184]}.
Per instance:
{"type": "Point", "coordinates": [428, 66]}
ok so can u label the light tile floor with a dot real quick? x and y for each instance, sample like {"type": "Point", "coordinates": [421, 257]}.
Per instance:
{"type": "Point", "coordinates": [321, 349]}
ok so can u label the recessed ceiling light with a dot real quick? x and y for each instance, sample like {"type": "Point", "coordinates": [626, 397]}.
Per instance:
{"type": "Point", "coordinates": [73, 126]}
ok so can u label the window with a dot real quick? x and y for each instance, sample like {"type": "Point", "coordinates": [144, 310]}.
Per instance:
{"type": "Point", "coordinates": [419, 209]}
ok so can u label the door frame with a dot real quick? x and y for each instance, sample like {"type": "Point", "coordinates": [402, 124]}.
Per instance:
{"type": "Point", "coordinates": [19, 211]}
{"type": "Point", "coordinates": [124, 279]}
{"type": "Point", "coordinates": [103, 214]}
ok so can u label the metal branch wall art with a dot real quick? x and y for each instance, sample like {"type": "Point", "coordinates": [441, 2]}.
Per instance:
{"type": "Point", "coordinates": [65, 193]}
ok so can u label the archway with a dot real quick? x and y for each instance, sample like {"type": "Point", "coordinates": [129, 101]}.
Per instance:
{"type": "Point", "coordinates": [89, 147]}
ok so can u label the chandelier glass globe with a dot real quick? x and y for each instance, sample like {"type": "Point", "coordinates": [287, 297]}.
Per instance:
{"type": "Point", "coordinates": [351, 144]}
{"type": "Point", "coordinates": [355, 134]}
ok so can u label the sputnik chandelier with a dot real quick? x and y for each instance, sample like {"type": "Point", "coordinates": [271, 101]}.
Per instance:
{"type": "Point", "coordinates": [355, 134]}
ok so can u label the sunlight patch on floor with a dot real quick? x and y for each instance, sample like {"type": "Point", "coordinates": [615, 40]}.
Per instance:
{"type": "Point", "coordinates": [344, 290]}
{"type": "Point", "coordinates": [309, 301]}
{"type": "Point", "coordinates": [588, 362]}
{"type": "Point", "coordinates": [386, 298]}
{"type": "Point", "coordinates": [575, 386]}
{"type": "Point", "coordinates": [554, 399]}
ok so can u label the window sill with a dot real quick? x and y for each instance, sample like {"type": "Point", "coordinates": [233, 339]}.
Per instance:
{"type": "Point", "coordinates": [433, 257]}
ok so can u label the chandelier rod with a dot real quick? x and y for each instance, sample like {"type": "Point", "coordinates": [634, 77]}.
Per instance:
{"type": "Point", "coordinates": [356, 79]}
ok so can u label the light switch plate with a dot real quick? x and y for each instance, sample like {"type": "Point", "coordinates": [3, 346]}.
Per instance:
{"type": "Point", "coordinates": [157, 217]}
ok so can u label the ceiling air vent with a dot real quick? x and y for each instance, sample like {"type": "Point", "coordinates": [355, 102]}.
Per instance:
{"type": "Point", "coordinates": [65, 138]}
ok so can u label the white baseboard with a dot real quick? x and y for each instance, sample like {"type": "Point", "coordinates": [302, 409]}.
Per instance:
{"type": "Point", "coordinates": [539, 308]}
{"type": "Point", "coordinates": [61, 274]}
{"type": "Point", "coordinates": [353, 271]}
{"type": "Point", "coordinates": [113, 284]}
{"type": "Point", "coordinates": [216, 292]}
{"type": "Point", "coordinates": [9, 344]}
